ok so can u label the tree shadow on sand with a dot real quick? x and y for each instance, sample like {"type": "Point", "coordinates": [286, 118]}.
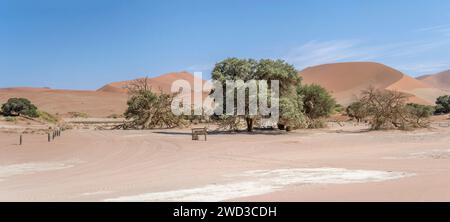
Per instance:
{"type": "Point", "coordinates": [352, 131]}
{"type": "Point", "coordinates": [231, 132]}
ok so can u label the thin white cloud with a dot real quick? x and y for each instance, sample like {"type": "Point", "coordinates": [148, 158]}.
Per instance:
{"type": "Point", "coordinates": [433, 28]}
{"type": "Point", "coordinates": [322, 52]}
{"type": "Point", "coordinates": [415, 48]}
{"type": "Point", "coordinates": [441, 29]}
{"type": "Point", "coordinates": [424, 68]}
{"type": "Point", "coordinates": [316, 53]}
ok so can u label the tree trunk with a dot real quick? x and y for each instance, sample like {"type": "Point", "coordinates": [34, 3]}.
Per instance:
{"type": "Point", "coordinates": [249, 124]}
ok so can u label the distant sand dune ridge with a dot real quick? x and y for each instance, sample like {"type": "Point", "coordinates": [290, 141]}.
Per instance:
{"type": "Point", "coordinates": [347, 80]}
{"type": "Point", "coordinates": [344, 80]}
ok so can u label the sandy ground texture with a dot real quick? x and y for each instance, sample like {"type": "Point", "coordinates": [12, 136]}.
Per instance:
{"type": "Point", "coordinates": [335, 164]}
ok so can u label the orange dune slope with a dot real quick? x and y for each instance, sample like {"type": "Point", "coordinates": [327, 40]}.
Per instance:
{"type": "Point", "coordinates": [110, 99]}
{"type": "Point", "coordinates": [440, 80]}
{"type": "Point", "coordinates": [62, 102]}
{"type": "Point", "coordinates": [163, 82]}
{"type": "Point", "coordinates": [346, 81]}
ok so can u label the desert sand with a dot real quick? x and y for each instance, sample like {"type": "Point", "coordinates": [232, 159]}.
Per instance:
{"type": "Point", "coordinates": [163, 82]}
{"type": "Point", "coordinates": [440, 80]}
{"type": "Point", "coordinates": [110, 99]}
{"type": "Point", "coordinates": [347, 80]}
{"type": "Point", "coordinates": [338, 163]}
{"type": "Point", "coordinates": [333, 164]}
{"type": "Point", "coordinates": [63, 102]}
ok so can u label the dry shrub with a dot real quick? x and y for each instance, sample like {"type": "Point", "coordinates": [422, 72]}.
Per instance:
{"type": "Point", "coordinates": [78, 115]}
{"type": "Point", "coordinates": [233, 123]}
{"type": "Point", "coordinates": [316, 123]}
{"type": "Point", "coordinates": [388, 110]}
{"type": "Point", "coordinates": [148, 110]}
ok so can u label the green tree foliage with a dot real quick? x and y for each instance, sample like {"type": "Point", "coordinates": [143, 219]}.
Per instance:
{"type": "Point", "coordinates": [235, 69]}
{"type": "Point", "coordinates": [47, 117]}
{"type": "Point", "coordinates": [317, 102]}
{"type": "Point", "coordinates": [291, 115]}
{"type": "Point", "coordinates": [291, 105]}
{"type": "Point", "coordinates": [19, 106]}
{"type": "Point", "coordinates": [443, 104]}
{"type": "Point", "coordinates": [265, 69]}
{"type": "Point", "coordinates": [78, 115]}
{"type": "Point", "coordinates": [419, 113]}
{"type": "Point", "coordinates": [268, 69]}
{"type": "Point", "coordinates": [338, 108]}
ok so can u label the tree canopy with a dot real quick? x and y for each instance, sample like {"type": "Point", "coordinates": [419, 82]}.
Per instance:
{"type": "Point", "coordinates": [264, 69]}
{"type": "Point", "coordinates": [19, 106]}
{"type": "Point", "coordinates": [443, 104]}
{"type": "Point", "coordinates": [317, 102]}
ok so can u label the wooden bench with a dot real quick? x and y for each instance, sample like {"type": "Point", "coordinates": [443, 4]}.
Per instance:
{"type": "Point", "coordinates": [199, 131]}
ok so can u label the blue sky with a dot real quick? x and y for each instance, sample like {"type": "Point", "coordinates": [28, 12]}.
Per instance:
{"type": "Point", "coordinates": [83, 44]}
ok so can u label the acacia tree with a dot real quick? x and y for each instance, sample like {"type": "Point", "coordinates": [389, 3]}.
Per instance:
{"type": "Point", "coordinates": [19, 106]}
{"type": "Point", "coordinates": [265, 69]}
{"type": "Point", "coordinates": [317, 102]}
{"type": "Point", "coordinates": [235, 69]}
{"type": "Point", "coordinates": [357, 110]}
{"type": "Point", "coordinates": [291, 115]}
{"type": "Point", "coordinates": [148, 110]}
{"type": "Point", "coordinates": [291, 104]}
{"type": "Point", "coordinates": [388, 109]}
{"type": "Point", "coordinates": [443, 104]}
{"type": "Point", "coordinates": [419, 113]}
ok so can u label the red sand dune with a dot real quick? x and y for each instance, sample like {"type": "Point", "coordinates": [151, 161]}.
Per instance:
{"type": "Point", "coordinates": [95, 104]}
{"type": "Point", "coordinates": [346, 80]}
{"type": "Point", "coordinates": [160, 83]}
{"type": "Point", "coordinates": [440, 80]}
{"type": "Point", "coordinates": [163, 82]}
{"type": "Point", "coordinates": [110, 99]}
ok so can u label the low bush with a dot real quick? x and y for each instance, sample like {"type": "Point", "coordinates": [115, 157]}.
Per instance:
{"type": "Point", "coordinates": [10, 119]}
{"type": "Point", "coordinates": [47, 117]}
{"type": "Point", "coordinates": [338, 108]}
{"type": "Point", "coordinates": [114, 116]}
{"type": "Point", "coordinates": [316, 123]}
{"type": "Point", "coordinates": [78, 115]}
{"type": "Point", "coordinates": [443, 104]}
{"type": "Point", "coordinates": [387, 109]}
{"type": "Point", "coordinates": [317, 101]}
{"type": "Point", "coordinates": [19, 106]}
{"type": "Point", "coordinates": [357, 110]}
